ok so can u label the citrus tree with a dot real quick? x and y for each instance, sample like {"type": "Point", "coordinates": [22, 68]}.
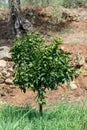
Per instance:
{"type": "Point", "coordinates": [40, 67]}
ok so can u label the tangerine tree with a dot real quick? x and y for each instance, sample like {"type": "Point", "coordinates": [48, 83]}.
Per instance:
{"type": "Point", "coordinates": [38, 66]}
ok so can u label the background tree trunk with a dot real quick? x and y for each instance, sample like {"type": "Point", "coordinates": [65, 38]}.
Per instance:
{"type": "Point", "coordinates": [14, 13]}
{"type": "Point", "coordinates": [17, 22]}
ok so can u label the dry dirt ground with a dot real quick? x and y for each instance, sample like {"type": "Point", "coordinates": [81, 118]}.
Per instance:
{"type": "Point", "coordinates": [75, 40]}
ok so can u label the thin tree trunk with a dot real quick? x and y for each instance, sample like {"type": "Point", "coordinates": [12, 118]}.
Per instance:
{"type": "Point", "coordinates": [40, 99]}
{"type": "Point", "coordinates": [41, 110]}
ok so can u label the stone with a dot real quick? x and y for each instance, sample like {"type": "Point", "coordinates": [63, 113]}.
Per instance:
{"type": "Point", "coordinates": [86, 59]}
{"type": "Point", "coordinates": [10, 69]}
{"type": "Point", "coordinates": [1, 80]}
{"type": "Point", "coordinates": [2, 86]}
{"type": "Point", "coordinates": [85, 74]}
{"type": "Point", "coordinates": [8, 75]}
{"type": "Point", "coordinates": [4, 53]}
{"type": "Point", "coordinates": [3, 77]}
{"type": "Point", "coordinates": [12, 86]}
{"type": "Point", "coordinates": [85, 67]}
{"type": "Point", "coordinates": [4, 72]}
{"type": "Point", "coordinates": [62, 48]}
{"type": "Point", "coordinates": [1, 68]}
{"type": "Point", "coordinates": [67, 15]}
{"type": "Point", "coordinates": [8, 81]}
{"type": "Point", "coordinates": [2, 63]}
{"type": "Point", "coordinates": [1, 102]}
{"type": "Point", "coordinates": [81, 62]}
{"type": "Point", "coordinates": [2, 94]}
{"type": "Point", "coordinates": [9, 90]}
{"type": "Point", "coordinates": [73, 85]}
{"type": "Point", "coordinates": [11, 64]}
{"type": "Point", "coordinates": [0, 74]}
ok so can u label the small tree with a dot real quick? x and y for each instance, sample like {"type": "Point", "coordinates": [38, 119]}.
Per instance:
{"type": "Point", "coordinates": [40, 67]}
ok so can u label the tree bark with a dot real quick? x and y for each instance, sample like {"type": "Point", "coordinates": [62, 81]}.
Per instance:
{"type": "Point", "coordinates": [41, 110]}
{"type": "Point", "coordinates": [40, 99]}
{"type": "Point", "coordinates": [18, 24]}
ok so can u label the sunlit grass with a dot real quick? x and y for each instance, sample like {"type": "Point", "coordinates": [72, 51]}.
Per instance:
{"type": "Point", "coordinates": [61, 116]}
{"type": "Point", "coordinates": [67, 31]}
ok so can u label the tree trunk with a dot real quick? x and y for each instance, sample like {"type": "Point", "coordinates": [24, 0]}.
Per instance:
{"type": "Point", "coordinates": [41, 110]}
{"type": "Point", "coordinates": [19, 5]}
{"type": "Point", "coordinates": [13, 15]}
{"type": "Point", "coordinates": [18, 24]}
{"type": "Point", "coordinates": [40, 100]}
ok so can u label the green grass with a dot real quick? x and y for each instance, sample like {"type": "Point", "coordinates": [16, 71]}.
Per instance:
{"type": "Point", "coordinates": [61, 116]}
{"type": "Point", "coordinates": [67, 31]}
{"type": "Point", "coordinates": [57, 3]}
{"type": "Point", "coordinates": [65, 3]}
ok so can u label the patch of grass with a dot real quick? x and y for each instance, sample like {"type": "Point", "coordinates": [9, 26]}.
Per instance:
{"type": "Point", "coordinates": [62, 116]}
{"type": "Point", "coordinates": [69, 31]}
{"type": "Point", "coordinates": [42, 2]}
{"type": "Point", "coordinates": [74, 3]}
{"type": "Point", "coordinates": [65, 3]}
{"type": "Point", "coordinates": [57, 3]}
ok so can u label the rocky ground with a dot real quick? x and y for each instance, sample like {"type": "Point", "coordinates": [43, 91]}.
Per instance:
{"type": "Point", "coordinates": [74, 33]}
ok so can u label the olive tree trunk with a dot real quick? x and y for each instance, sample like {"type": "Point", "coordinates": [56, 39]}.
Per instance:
{"type": "Point", "coordinates": [18, 23]}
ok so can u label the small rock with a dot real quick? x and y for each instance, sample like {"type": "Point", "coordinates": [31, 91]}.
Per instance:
{"type": "Point", "coordinates": [2, 86]}
{"type": "Point", "coordinates": [3, 77]}
{"type": "Point", "coordinates": [10, 69]}
{"type": "Point", "coordinates": [73, 85]}
{"type": "Point", "coordinates": [2, 94]}
{"type": "Point", "coordinates": [4, 53]}
{"type": "Point", "coordinates": [1, 102]}
{"type": "Point", "coordinates": [86, 59]}
{"type": "Point", "coordinates": [8, 81]}
{"type": "Point", "coordinates": [12, 86]}
{"type": "Point", "coordinates": [0, 74]}
{"type": "Point", "coordinates": [4, 72]}
{"type": "Point", "coordinates": [62, 48]}
{"type": "Point", "coordinates": [11, 64]}
{"type": "Point", "coordinates": [1, 68]}
{"type": "Point", "coordinates": [85, 67]}
{"type": "Point", "coordinates": [85, 75]}
{"type": "Point", "coordinates": [9, 90]}
{"type": "Point", "coordinates": [1, 80]}
{"type": "Point", "coordinates": [8, 75]}
{"type": "Point", "coordinates": [67, 15]}
{"type": "Point", "coordinates": [2, 63]}
{"type": "Point", "coordinates": [81, 62]}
